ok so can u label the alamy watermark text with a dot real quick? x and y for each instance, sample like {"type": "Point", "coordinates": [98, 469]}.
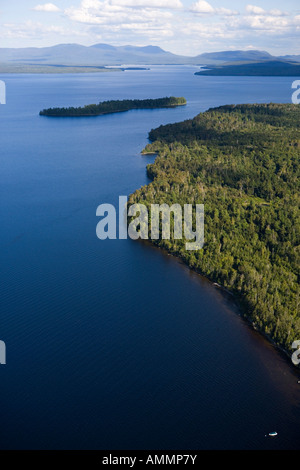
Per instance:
{"type": "Point", "coordinates": [2, 352]}
{"type": "Point", "coordinates": [2, 92]}
{"type": "Point", "coordinates": [296, 94]}
{"type": "Point", "coordinates": [154, 222]}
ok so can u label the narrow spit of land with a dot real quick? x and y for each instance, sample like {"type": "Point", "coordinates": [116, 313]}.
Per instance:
{"type": "Point", "coordinates": [114, 106]}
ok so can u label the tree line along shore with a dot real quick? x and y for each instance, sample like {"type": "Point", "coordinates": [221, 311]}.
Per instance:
{"type": "Point", "coordinates": [242, 163]}
{"type": "Point", "coordinates": [114, 106]}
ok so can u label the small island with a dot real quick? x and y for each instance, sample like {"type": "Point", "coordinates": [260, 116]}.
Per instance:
{"type": "Point", "coordinates": [114, 106]}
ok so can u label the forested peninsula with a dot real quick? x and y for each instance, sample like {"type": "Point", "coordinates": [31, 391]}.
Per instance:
{"type": "Point", "coordinates": [270, 68]}
{"type": "Point", "coordinates": [242, 163]}
{"type": "Point", "coordinates": [114, 106]}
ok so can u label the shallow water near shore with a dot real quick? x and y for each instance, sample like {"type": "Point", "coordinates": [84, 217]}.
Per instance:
{"type": "Point", "coordinates": [114, 344]}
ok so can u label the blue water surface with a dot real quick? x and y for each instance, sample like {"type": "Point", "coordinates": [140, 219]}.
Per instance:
{"type": "Point", "coordinates": [115, 344]}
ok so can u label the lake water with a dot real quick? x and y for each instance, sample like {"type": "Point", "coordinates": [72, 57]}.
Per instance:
{"type": "Point", "coordinates": [115, 344]}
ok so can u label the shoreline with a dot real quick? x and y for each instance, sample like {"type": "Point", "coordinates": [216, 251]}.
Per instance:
{"type": "Point", "coordinates": [238, 299]}
{"type": "Point", "coordinates": [109, 112]}
{"type": "Point", "coordinates": [241, 301]}
{"type": "Point", "coordinates": [102, 113]}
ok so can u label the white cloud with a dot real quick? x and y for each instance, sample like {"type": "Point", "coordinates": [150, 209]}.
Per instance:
{"type": "Point", "coordinates": [200, 27]}
{"type": "Point", "coordinates": [48, 7]}
{"type": "Point", "coordinates": [204, 8]}
{"type": "Point", "coordinates": [116, 22]}
{"type": "Point", "coordinates": [169, 4]}
{"type": "Point", "coordinates": [254, 10]}
{"type": "Point", "coordinates": [94, 12]}
{"type": "Point", "coordinates": [258, 11]}
{"type": "Point", "coordinates": [276, 12]}
{"type": "Point", "coordinates": [268, 23]}
{"type": "Point", "coordinates": [207, 31]}
{"type": "Point", "coordinates": [226, 12]}
{"type": "Point", "coordinates": [30, 29]}
{"type": "Point", "coordinates": [90, 4]}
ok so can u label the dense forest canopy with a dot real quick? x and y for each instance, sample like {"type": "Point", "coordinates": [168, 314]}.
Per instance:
{"type": "Point", "coordinates": [114, 106]}
{"type": "Point", "coordinates": [242, 163]}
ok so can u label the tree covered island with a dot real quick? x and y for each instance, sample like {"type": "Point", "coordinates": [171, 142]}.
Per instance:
{"type": "Point", "coordinates": [114, 106]}
{"type": "Point", "coordinates": [242, 162]}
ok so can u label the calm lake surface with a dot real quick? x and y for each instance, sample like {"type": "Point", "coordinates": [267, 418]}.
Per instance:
{"type": "Point", "coordinates": [115, 344]}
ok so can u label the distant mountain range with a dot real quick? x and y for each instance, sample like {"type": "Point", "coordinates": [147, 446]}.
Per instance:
{"type": "Point", "coordinates": [97, 55]}
{"type": "Point", "coordinates": [100, 55]}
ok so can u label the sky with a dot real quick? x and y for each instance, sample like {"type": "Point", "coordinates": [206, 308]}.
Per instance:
{"type": "Point", "coordinates": [187, 27]}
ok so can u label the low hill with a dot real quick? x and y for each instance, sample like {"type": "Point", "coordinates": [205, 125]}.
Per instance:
{"type": "Point", "coordinates": [232, 56]}
{"type": "Point", "coordinates": [273, 68]}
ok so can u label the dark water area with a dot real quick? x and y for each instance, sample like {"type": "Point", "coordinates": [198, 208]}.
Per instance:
{"type": "Point", "coordinates": [114, 344]}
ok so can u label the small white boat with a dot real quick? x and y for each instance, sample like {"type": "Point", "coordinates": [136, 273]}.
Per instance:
{"type": "Point", "coordinates": [273, 434]}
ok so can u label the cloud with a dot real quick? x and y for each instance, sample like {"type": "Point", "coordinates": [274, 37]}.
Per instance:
{"type": "Point", "coordinates": [30, 29]}
{"type": "Point", "coordinates": [276, 12]}
{"type": "Point", "coordinates": [258, 11]}
{"type": "Point", "coordinates": [185, 27]}
{"type": "Point", "coordinates": [94, 12]}
{"type": "Point", "coordinates": [268, 24]}
{"type": "Point", "coordinates": [226, 12]}
{"type": "Point", "coordinates": [48, 7]}
{"type": "Point", "coordinates": [254, 10]}
{"type": "Point", "coordinates": [112, 20]}
{"type": "Point", "coordinates": [204, 8]}
{"type": "Point", "coordinates": [207, 31]}
{"type": "Point", "coordinates": [165, 21]}
{"type": "Point", "coordinates": [169, 4]}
